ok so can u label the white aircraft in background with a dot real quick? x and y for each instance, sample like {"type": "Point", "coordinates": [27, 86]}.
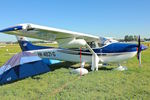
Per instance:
{"type": "Point", "coordinates": [74, 46]}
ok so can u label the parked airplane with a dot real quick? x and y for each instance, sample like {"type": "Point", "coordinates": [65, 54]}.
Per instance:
{"type": "Point", "coordinates": [74, 46]}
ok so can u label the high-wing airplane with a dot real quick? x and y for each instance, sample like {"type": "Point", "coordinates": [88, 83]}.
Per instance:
{"type": "Point", "coordinates": [75, 46]}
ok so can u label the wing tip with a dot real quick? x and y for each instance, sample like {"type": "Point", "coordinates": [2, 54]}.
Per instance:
{"type": "Point", "coordinates": [13, 28]}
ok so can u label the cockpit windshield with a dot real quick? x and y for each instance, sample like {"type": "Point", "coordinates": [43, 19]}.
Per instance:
{"type": "Point", "coordinates": [95, 44]}
{"type": "Point", "coordinates": [107, 40]}
{"type": "Point", "coordinates": [102, 42]}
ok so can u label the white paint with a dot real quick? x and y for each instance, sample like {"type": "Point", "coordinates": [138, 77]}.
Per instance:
{"type": "Point", "coordinates": [110, 57]}
{"type": "Point", "coordinates": [71, 43]}
{"type": "Point", "coordinates": [82, 64]}
{"type": "Point", "coordinates": [79, 71]}
{"type": "Point", "coordinates": [121, 68]}
{"type": "Point", "coordinates": [59, 31]}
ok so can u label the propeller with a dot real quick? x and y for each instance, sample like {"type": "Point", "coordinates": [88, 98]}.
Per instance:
{"type": "Point", "coordinates": [139, 50]}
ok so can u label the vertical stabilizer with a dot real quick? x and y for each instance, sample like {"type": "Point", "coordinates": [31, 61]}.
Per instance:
{"type": "Point", "coordinates": [26, 45]}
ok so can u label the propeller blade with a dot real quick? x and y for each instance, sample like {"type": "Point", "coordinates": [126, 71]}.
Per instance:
{"type": "Point", "coordinates": [139, 50]}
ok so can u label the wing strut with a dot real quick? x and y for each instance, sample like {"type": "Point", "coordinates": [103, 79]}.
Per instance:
{"type": "Point", "coordinates": [95, 59]}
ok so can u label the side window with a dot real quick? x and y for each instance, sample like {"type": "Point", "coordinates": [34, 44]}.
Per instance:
{"type": "Point", "coordinates": [100, 44]}
{"type": "Point", "coordinates": [92, 44]}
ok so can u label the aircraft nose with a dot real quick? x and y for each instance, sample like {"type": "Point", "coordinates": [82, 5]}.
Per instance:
{"type": "Point", "coordinates": [143, 47]}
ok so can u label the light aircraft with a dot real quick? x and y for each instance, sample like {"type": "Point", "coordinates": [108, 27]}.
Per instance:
{"type": "Point", "coordinates": [75, 46]}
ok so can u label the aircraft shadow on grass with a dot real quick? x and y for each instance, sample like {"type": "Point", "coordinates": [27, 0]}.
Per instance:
{"type": "Point", "coordinates": [67, 65]}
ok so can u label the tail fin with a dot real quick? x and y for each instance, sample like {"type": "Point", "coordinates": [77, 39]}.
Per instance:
{"type": "Point", "coordinates": [26, 45]}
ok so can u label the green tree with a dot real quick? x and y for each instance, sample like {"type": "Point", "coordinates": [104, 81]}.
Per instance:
{"type": "Point", "coordinates": [135, 38]}
{"type": "Point", "coordinates": [126, 38]}
{"type": "Point", "coordinates": [130, 38]}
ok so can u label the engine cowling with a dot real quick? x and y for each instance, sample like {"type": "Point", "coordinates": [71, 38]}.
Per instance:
{"type": "Point", "coordinates": [72, 43]}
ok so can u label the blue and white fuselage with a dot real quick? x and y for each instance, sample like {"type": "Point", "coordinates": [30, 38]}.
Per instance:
{"type": "Point", "coordinates": [114, 52]}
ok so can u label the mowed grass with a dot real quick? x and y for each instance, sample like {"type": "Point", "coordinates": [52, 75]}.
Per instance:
{"type": "Point", "coordinates": [61, 85]}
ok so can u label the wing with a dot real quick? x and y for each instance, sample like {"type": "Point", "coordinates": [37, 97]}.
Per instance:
{"type": "Point", "coordinates": [46, 33]}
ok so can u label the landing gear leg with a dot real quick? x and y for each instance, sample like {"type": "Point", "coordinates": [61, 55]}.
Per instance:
{"type": "Point", "coordinates": [95, 61]}
{"type": "Point", "coordinates": [82, 64]}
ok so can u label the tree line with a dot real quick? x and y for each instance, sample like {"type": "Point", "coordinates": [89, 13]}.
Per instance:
{"type": "Point", "coordinates": [133, 38]}
{"type": "Point", "coordinates": [130, 38]}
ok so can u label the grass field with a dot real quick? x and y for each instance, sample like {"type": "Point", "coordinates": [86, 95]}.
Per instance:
{"type": "Point", "coordinates": [133, 84]}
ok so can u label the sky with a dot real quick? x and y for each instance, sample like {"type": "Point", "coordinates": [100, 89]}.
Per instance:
{"type": "Point", "coordinates": [107, 18]}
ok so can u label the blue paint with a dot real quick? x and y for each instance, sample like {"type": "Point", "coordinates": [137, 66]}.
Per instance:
{"type": "Point", "coordinates": [50, 61]}
{"type": "Point", "coordinates": [19, 69]}
{"type": "Point", "coordinates": [26, 46]}
{"type": "Point", "coordinates": [118, 48]}
{"type": "Point", "coordinates": [14, 28]}
{"type": "Point", "coordinates": [143, 47]}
